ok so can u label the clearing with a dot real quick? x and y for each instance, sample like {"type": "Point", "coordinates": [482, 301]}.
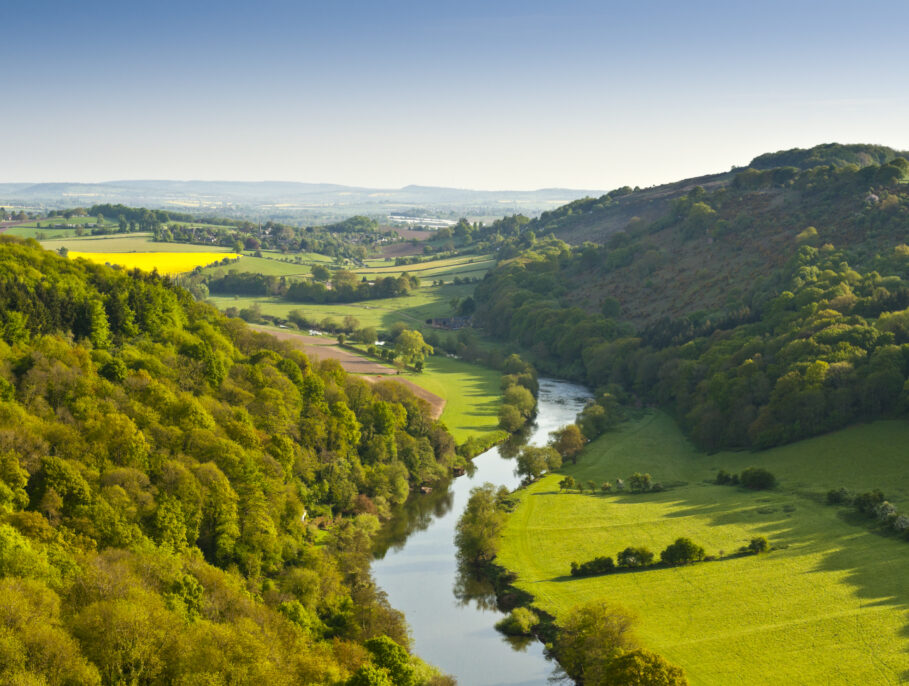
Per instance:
{"type": "Point", "coordinates": [827, 606]}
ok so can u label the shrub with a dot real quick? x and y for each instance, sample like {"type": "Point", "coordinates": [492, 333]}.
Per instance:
{"type": "Point", "coordinates": [682, 552]}
{"type": "Point", "coordinates": [838, 496]}
{"type": "Point", "coordinates": [519, 622]}
{"type": "Point", "coordinates": [758, 545]}
{"type": "Point", "coordinates": [757, 479]}
{"type": "Point", "coordinates": [640, 483]}
{"type": "Point", "coordinates": [867, 503]}
{"type": "Point", "coordinates": [724, 478]}
{"type": "Point", "coordinates": [594, 567]}
{"type": "Point", "coordinates": [632, 558]}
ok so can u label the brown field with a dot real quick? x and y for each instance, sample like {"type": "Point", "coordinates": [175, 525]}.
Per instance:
{"type": "Point", "coordinates": [401, 250]}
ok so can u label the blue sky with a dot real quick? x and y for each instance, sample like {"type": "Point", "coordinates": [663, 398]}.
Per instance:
{"type": "Point", "coordinates": [470, 94]}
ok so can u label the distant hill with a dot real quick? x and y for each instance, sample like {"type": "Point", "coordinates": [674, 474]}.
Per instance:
{"type": "Point", "coordinates": [289, 201]}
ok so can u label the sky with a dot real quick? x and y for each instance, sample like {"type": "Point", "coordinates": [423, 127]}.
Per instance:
{"type": "Point", "coordinates": [486, 95]}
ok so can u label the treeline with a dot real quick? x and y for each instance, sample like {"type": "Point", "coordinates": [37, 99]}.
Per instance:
{"type": "Point", "coordinates": [163, 472]}
{"type": "Point", "coordinates": [345, 287]}
{"type": "Point", "coordinates": [817, 346]}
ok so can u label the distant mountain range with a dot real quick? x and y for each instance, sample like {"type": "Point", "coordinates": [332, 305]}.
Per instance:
{"type": "Point", "coordinates": [282, 200]}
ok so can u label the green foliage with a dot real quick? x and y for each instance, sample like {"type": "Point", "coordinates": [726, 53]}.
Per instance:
{"type": "Point", "coordinates": [159, 466]}
{"type": "Point", "coordinates": [590, 637]}
{"type": "Point", "coordinates": [757, 479]}
{"type": "Point", "coordinates": [682, 552]}
{"type": "Point", "coordinates": [634, 557]}
{"type": "Point", "coordinates": [519, 622]}
{"type": "Point", "coordinates": [643, 668]}
{"type": "Point", "coordinates": [534, 461]}
{"type": "Point", "coordinates": [478, 528]}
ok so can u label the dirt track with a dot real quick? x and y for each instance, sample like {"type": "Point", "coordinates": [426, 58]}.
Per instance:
{"type": "Point", "coordinates": [322, 347]}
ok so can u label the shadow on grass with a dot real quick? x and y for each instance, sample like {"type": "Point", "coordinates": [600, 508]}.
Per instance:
{"type": "Point", "coordinates": [871, 559]}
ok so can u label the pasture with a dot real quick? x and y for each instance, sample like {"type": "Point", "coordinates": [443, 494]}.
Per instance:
{"type": "Point", "coordinates": [827, 606]}
{"type": "Point", "coordinates": [412, 309]}
{"type": "Point", "coordinates": [164, 262]}
{"type": "Point", "coordinates": [472, 395]}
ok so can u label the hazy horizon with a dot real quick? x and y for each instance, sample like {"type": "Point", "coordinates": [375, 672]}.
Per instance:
{"type": "Point", "coordinates": [469, 95]}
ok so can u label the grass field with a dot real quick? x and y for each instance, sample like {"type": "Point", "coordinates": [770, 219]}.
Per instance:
{"type": "Point", "coordinates": [165, 263]}
{"type": "Point", "coordinates": [413, 309]}
{"type": "Point", "coordinates": [472, 395]}
{"type": "Point", "coordinates": [827, 606]}
{"type": "Point", "coordinates": [465, 266]}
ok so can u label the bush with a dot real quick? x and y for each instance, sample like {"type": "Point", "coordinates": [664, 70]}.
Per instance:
{"type": "Point", "coordinates": [758, 545]}
{"type": "Point", "coordinates": [632, 558]}
{"type": "Point", "coordinates": [519, 622]}
{"type": "Point", "coordinates": [867, 503]}
{"type": "Point", "coordinates": [724, 478]}
{"type": "Point", "coordinates": [594, 567]}
{"type": "Point", "coordinates": [838, 496]}
{"type": "Point", "coordinates": [684, 551]}
{"type": "Point", "coordinates": [640, 483]}
{"type": "Point", "coordinates": [757, 479]}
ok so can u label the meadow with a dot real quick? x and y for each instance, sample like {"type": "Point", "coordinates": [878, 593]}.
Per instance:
{"type": "Point", "coordinates": [413, 309]}
{"type": "Point", "coordinates": [472, 393]}
{"type": "Point", "coordinates": [827, 605]}
{"type": "Point", "coordinates": [165, 263]}
{"type": "Point", "coordinates": [130, 242]}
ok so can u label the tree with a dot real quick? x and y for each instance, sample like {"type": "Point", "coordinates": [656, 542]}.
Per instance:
{"type": "Point", "coordinates": [477, 530]}
{"type": "Point", "coordinates": [533, 462]}
{"type": "Point", "coordinates": [640, 483]}
{"type": "Point", "coordinates": [757, 479]}
{"type": "Point", "coordinates": [633, 558]}
{"type": "Point", "coordinates": [567, 483]}
{"type": "Point", "coordinates": [643, 668]}
{"type": "Point", "coordinates": [683, 551]}
{"type": "Point", "coordinates": [569, 441]}
{"type": "Point", "coordinates": [759, 545]}
{"type": "Point", "coordinates": [411, 347]}
{"type": "Point", "coordinates": [320, 273]}
{"type": "Point", "coordinates": [388, 655]}
{"type": "Point", "coordinates": [591, 636]}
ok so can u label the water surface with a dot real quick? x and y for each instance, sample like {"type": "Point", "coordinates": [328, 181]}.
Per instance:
{"type": "Point", "coordinates": [452, 625]}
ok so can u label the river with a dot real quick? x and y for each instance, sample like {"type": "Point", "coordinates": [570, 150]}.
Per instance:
{"type": "Point", "coordinates": [452, 622]}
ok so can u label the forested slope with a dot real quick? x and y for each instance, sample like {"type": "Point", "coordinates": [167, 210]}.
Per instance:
{"type": "Point", "coordinates": [160, 467]}
{"type": "Point", "coordinates": [764, 311]}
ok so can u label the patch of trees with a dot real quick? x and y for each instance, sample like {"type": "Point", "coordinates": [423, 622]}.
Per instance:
{"type": "Point", "coordinates": [345, 287]}
{"type": "Point", "coordinates": [478, 528]}
{"type": "Point", "coordinates": [682, 551]}
{"type": "Point", "coordinates": [874, 505]}
{"type": "Point", "coordinates": [596, 644]}
{"type": "Point", "coordinates": [519, 622]}
{"type": "Point", "coordinates": [636, 483]}
{"type": "Point", "coordinates": [814, 347]}
{"type": "Point", "coordinates": [752, 478]}
{"type": "Point", "coordinates": [172, 466]}
{"type": "Point", "coordinates": [520, 388]}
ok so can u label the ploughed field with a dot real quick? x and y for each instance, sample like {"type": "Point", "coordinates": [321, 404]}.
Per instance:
{"type": "Point", "coordinates": [827, 605]}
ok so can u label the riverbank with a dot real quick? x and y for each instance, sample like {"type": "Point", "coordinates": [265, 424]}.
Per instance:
{"type": "Point", "coordinates": [827, 605]}
{"type": "Point", "coordinates": [452, 617]}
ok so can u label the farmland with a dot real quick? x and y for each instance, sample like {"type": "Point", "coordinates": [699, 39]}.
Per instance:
{"type": "Point", "coordinates": [412, 309]}
{"type": "Point", "coordinates": [165, 263]}
{"type": "Point", "coordinates": [827, 605]}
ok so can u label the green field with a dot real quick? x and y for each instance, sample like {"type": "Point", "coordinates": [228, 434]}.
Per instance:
{"type": "Point", "coordinates": [472, 393]}
{"type": "Point", "coordinates": [465, 266]}
{"type": "Point", "coordinates": [827, 606]}
{"type": "Point", "coordinates": [413, 309]}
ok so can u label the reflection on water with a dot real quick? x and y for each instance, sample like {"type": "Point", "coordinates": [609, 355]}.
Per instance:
{"type": "Point", "coordinates": [452, 614]}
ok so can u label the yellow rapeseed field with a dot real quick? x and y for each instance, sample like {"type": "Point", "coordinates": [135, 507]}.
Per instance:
{"type": "Point", "coordinates": [164, 262]}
